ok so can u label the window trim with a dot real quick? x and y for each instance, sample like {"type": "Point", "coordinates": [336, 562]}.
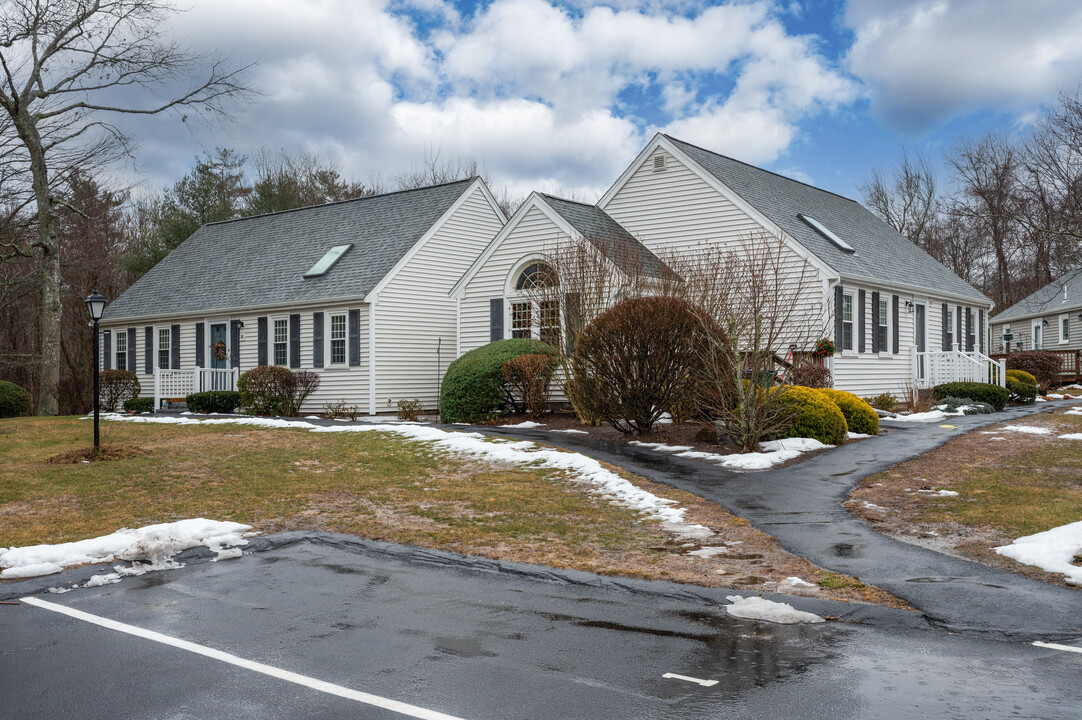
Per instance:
{"type": "Point", "coordinates": [329, 339]}
{"type": "Point", "coordinates": [1036, 328]}
{"type": "Point", "coordinates": [950, 327]}
{"type": "Point", "coordinates": [122, 333]}
{"type": "Point", "coordinates": [1064, 318]}
{"type": "Point", "coordinates": [884, 326]}
{"type": "Point", "coordinates": [158, 330]}
{"type": "Point", "coordinates": [271, 360]}
{"type": "Point", "coordinates": [851, 322]}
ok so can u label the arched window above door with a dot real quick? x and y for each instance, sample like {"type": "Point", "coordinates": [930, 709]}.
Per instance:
{"type": "Point", "coordinates": [535, 275]}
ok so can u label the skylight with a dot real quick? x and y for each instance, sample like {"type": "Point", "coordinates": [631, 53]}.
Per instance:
{"type": "Point", "coordinates": [825, 232]}
{"type": "Point", "coordinates": [328, 260]}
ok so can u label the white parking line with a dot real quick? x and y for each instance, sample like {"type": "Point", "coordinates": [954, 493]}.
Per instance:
{"type": "Point", "coordinates": [1057, 646]}
{"type": "Point", "coordinates": [704, 683]}
{"type": "Point", "coordinates": [320, 685]}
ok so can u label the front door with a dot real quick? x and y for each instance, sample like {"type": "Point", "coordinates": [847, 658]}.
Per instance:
{"type": "Point", "coordinates": [921, 337]}
{"type": "Point", "coordinates": [1038, 335]}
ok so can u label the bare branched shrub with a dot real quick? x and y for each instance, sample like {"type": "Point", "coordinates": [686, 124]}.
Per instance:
{"type": "Point", "coordinates": [914, 400]}
{"type": "Point", "coordinates": [637, 360]}
{"type": "Point", "coordinates": [301, 384]}
{"type": "Point", "coordinates": [813, 376]}
{"type": "Point", "coordinates": [410, 409]}
{"type": "Point", "coordinates": [764, 297]}
{"type": "Point", "coordinates": [116, 387]}
{"type": "Point", "coordinates": [530, 376]}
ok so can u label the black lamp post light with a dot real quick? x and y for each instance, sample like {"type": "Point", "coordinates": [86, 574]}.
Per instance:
{"type": "Point", "coordinates": [95, 305]}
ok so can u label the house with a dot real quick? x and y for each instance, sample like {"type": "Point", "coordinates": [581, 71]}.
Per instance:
{"type": "Point", "coordinates": [1049, 319]}
{"type": "Point", "coordinates": [357, 291]}
{"type": "Point", "coordinates": [898, 317]}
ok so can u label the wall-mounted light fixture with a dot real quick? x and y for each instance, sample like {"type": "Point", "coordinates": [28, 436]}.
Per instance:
{"type": "Point", "coordinates": [909, 306]}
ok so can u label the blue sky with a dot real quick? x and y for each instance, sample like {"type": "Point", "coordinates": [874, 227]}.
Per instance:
{"type": "Point", "coordinates": [560, 97]}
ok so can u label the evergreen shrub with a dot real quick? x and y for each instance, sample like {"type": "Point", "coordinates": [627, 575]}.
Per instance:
{"type": "Point", "coordinates": [474, 389]}
{"type": "Point", "coordinates": [994, 395]}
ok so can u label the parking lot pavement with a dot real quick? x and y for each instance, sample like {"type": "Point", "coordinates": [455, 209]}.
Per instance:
{"type": "Point", "coordinates": [277, 634]}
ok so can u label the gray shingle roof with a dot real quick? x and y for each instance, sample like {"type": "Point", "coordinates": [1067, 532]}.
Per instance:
{"type": "Point", "coordinates": [261, 260]}
{"type": "Point", "coordinates": [1049, 299]}
{"type": "Point", "coordinates": [609, 236]}
{"type": "Point", "coordinates": [881, 252]}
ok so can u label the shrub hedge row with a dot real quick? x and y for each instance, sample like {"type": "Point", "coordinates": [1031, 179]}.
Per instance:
{"type": "Point", "coordinates": [139, 405]}
{"type": "Point", "coordinates": [213, 401]}
{"type": "Point", "coordinates": [994, 395]}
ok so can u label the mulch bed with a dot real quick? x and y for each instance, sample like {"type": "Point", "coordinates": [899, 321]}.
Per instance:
{"type": "Point", "coordinates": [88, 454]}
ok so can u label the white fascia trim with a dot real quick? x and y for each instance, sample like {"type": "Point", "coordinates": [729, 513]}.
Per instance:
{"type": "Point", "coordinates": [918, 290]}
{"type": "Point", "coordinates": [417, 246]}
{"type": "Point", "coordinates": [1047, 313]}
{"type": "Point", "coordinates": [235, 311]}
{"type": "Point", "coordinates": [663, 142]}
{"type": "Point", "coordinates": [531, 202]}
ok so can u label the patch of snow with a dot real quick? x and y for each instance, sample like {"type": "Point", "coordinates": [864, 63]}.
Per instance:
{"type": "Point", "coordinates": [795, 583]}
{"type": "Point", "coordinates": [661, 447]}
{"type": "Point", "coordinates": [1052, 550]}
{"type": "Point", "coordinates": [757, 608]}
{"type": "Point", "coordinates": [800, 444]}
{"type": "Point", "coordinates": [857, 436]}
{"type": "Point", "coordinates": [1027, 429]}
{"type": "Point", "coordinates": [576, 432]}
{"type": "Point", "coordinates": [872, 506]}
{"type": "Point", "coordinates": [227, 554]}
{"type": "Point", "coordinates": [709, 552]}
{"type": "Point", "coordinates": [1071, 436]}
{"type": "Point", "coordinates": [939, 493]}
{"type": "Point", "coordinates": [526, 425]}
{"type": "Point", "coordinates": [1039, 399]}
{"type": "Point", "coordinates": [1074, 411]}
{"type": "Point", "coordinates": [312, 417]}
{"type": "Point", "coordinates": [1074, 386]}
{"type": "Point", "coordinates": [60, 590]}
{"type": "Point", "coordinates": [930, 416]}
{"type": "Point", "coordinates": [156, 543]}
{"type": "Point", "coordinates": [99, 580]}
{"type": "Point", "coordinates": [998, 437]}
{"type": "Point", "coordinates": [1055, 396]}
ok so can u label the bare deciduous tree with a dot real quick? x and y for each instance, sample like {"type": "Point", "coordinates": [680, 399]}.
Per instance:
{"type": "Point", "coordinates": [906, 197]}
{"type": "Point", "coordinates": [66, 64]}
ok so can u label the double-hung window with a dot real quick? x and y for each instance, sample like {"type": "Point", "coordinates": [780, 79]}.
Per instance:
{"type": "Point", "coordinates": [281, 342]}
{"type": "Point", "coordinates": [338, 339]}
{"type": "Point", "coordinates": [521, 319]}
{"type": "Point", "coordinates": [883, 328]}
{"type": "Point", "coordinates": [847, 322]}
{"type": "Point", "coordinates": [949, 340]}
{"type": "Point", "coordinates": [164, 341]}
{"type": "Point", "coordinates": [121, 350]}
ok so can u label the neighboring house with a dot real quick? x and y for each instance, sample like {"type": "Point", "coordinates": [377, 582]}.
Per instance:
{"type": "Point", "coordinates": [898, 316]}
{"type": "Point", "coordinates": [1049, 319]}
{"type": "Point", "coordinates": [356, 291]}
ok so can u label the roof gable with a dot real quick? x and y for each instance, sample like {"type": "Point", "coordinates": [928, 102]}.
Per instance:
{"type": "Point", "coordinates": [878, 252]}
{"type": "Point", "coordinates": [262, 260]}
{"type": "Point", "coordinates": [1064, 294]}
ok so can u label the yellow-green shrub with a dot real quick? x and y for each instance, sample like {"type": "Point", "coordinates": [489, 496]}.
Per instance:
{"type": "Point", "coordinates": [859, 415]}
{"type": "Point", "coordinates": [1021, 376]}
{"type": "Point", "coordinates": [814, 416]}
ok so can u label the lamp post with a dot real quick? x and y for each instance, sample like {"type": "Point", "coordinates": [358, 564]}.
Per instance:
{"type": "Point", "coordinates": [95, 305]}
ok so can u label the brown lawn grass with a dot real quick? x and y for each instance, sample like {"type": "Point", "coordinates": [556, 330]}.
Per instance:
{"type": "Point", "coordinates": [367, 484]}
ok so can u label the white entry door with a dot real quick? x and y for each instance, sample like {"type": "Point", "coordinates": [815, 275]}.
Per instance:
{"type": "Point", "coordinates": [1038, 335]}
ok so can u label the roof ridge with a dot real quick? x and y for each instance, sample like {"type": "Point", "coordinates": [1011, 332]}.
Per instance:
{"type": "Point", "coordinates": [343, 202]}
{"type": "Point", "coordinates": [756, 167]}
{"type": "Point", "coordinates": [573, 202]}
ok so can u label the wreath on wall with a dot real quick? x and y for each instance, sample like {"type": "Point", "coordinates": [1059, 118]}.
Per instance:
{"type": "Point", "coordinates": [823, 348]}
{"type": "Point", "coordinates": [219, 350]}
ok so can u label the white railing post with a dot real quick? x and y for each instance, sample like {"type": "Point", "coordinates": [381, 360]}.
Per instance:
{"type": "Point", "coordinates": [157, 389]}
{"type": "Point", "coordinates": [1002, 372]}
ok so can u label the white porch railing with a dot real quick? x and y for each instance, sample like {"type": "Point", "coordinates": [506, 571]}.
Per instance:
{"type": "Point", "coordinates": [179, 383]}
{"type": "Point", "coordinates": [942, 366]}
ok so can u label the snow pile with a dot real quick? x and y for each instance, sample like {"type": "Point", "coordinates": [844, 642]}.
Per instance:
{"type": "Point", "coordinates": [757, 608]}
{"type": "Point", "coordinates": [661, 447]}
{"type": "Point", "coordinates": [930, 416]}
{"type": "Point", "coordinates": [1071, 436]}
{"type": "Point", "coordinates": [573, 432]}
{"type": "Point", "coordinates": [857, 436]}
{"type": "Point", "coordinates": [526, 425]}
{"type": "Point", "coordinates": [775, 452]}
{"type": "Point", "coordinates": [709, 552]}
{"type": "Point", "coordinates": [524, 452]}
{"type": "Point", "coordinates": [1052, 550]}
{"type": "Point", "coordinates": [1028, 429]}
{"type": "Point", "coordinates": [1077, 410]}
{"type": "Point", "coordinates": [155, 544]}
{"type": "Point", "coordinates": [939, 493]}
{"type": "Point", "coordinates": [794, 583]}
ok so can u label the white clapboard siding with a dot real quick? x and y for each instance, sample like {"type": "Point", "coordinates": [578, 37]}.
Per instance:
{"type": "Point", "coordinates": [866, 373]}
{"type": "Point", "coordinates": [534, 235]}
{"type": "Point", "coordinates": [415, 314]}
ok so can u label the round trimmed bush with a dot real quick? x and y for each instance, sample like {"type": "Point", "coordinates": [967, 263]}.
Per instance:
{"type": "Point", "coordinates": [814, 415]}
{"type": "Point", "coordinates": [994, 395]}
{"type": "Point", "coordinates": [213, 401]}
{"type": "Point", "coordinates": [14, 400]}
{"type": "Point", "coordinates": [1022, 386]}
{"type": "Point", "coordinates": [474, 388]}
{"type": "Point", "coordinates": [1022, 376]}
{"type": "Point", "coordinates": [139, 405]}
{"type": "Point", "coordinates": [859, 415]}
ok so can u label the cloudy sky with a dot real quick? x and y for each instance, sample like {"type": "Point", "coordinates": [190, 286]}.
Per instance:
{"type": "Point", "coordinates": [561, 96]}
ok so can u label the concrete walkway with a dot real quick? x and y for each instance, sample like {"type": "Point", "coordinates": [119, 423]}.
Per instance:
{"type": "Point", "coordinates": [801, 506]}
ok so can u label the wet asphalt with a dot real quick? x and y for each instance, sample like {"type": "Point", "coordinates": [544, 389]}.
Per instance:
{"type": "Point", "coordinates": [481, 639]}
{"type": "Point", "coordinates": [801, 506]}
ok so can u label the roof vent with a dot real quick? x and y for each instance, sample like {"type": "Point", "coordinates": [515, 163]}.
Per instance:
{"type": "Point", "coordinates": [825, 232]}
{"type": "Point", "coordinates": [328, 260]}
{"type": "Point", "coordinates": [659, 163]}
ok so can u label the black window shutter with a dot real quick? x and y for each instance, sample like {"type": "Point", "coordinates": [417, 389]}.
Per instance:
{"type": "Point", "coordinates": [572, 318]}
{"type": "Point", "coordinates": [261, 341]}
{"type": "Point", "coordinates": [354, 337]}
{"type": "Point", "coordinates": [148, 350]}
{"type": "Point", "coordinates": [959, 340]}
{"type": "Point", "coordinates": [969, 330]}
{"type": "Point", "coordinates": [946, 329]}
{"type": "Point", "coordinates": [294, 341]}
{"type": "Point", "coordinates": [317, 339]}
{"type": "Point", "coordinates": [132, 363]}
{"type": "Point", "coordinates": [495, 319]}
{"type": "Point", "coordinates": [107, 348]}
{"type": "Point", "coordinates": [838, 293]}
{"type": "Point", "coordinates": [980, 330]}
{"type": "Point", "coordinates": [200, 341]}
{"type": "Point", "coordinates": [894, 302]}
{"type": "Point", "coordinates": [174, 347]}
{"type": "Point", "coordinates": [875, 323]}
{"type": "Point", "coordinates": [234, 343]}
{"type": "Point", "coordinates": [861, 320]}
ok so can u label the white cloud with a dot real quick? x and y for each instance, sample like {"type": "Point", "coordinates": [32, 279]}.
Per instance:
{"type": "Point", "coordinates": [926, 61]}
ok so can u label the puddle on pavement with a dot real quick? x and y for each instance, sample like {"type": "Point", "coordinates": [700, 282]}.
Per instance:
{"type": "Point", "coordinates": [844, 550]}
{"type": "Point", "coordinates": [462, 647]}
